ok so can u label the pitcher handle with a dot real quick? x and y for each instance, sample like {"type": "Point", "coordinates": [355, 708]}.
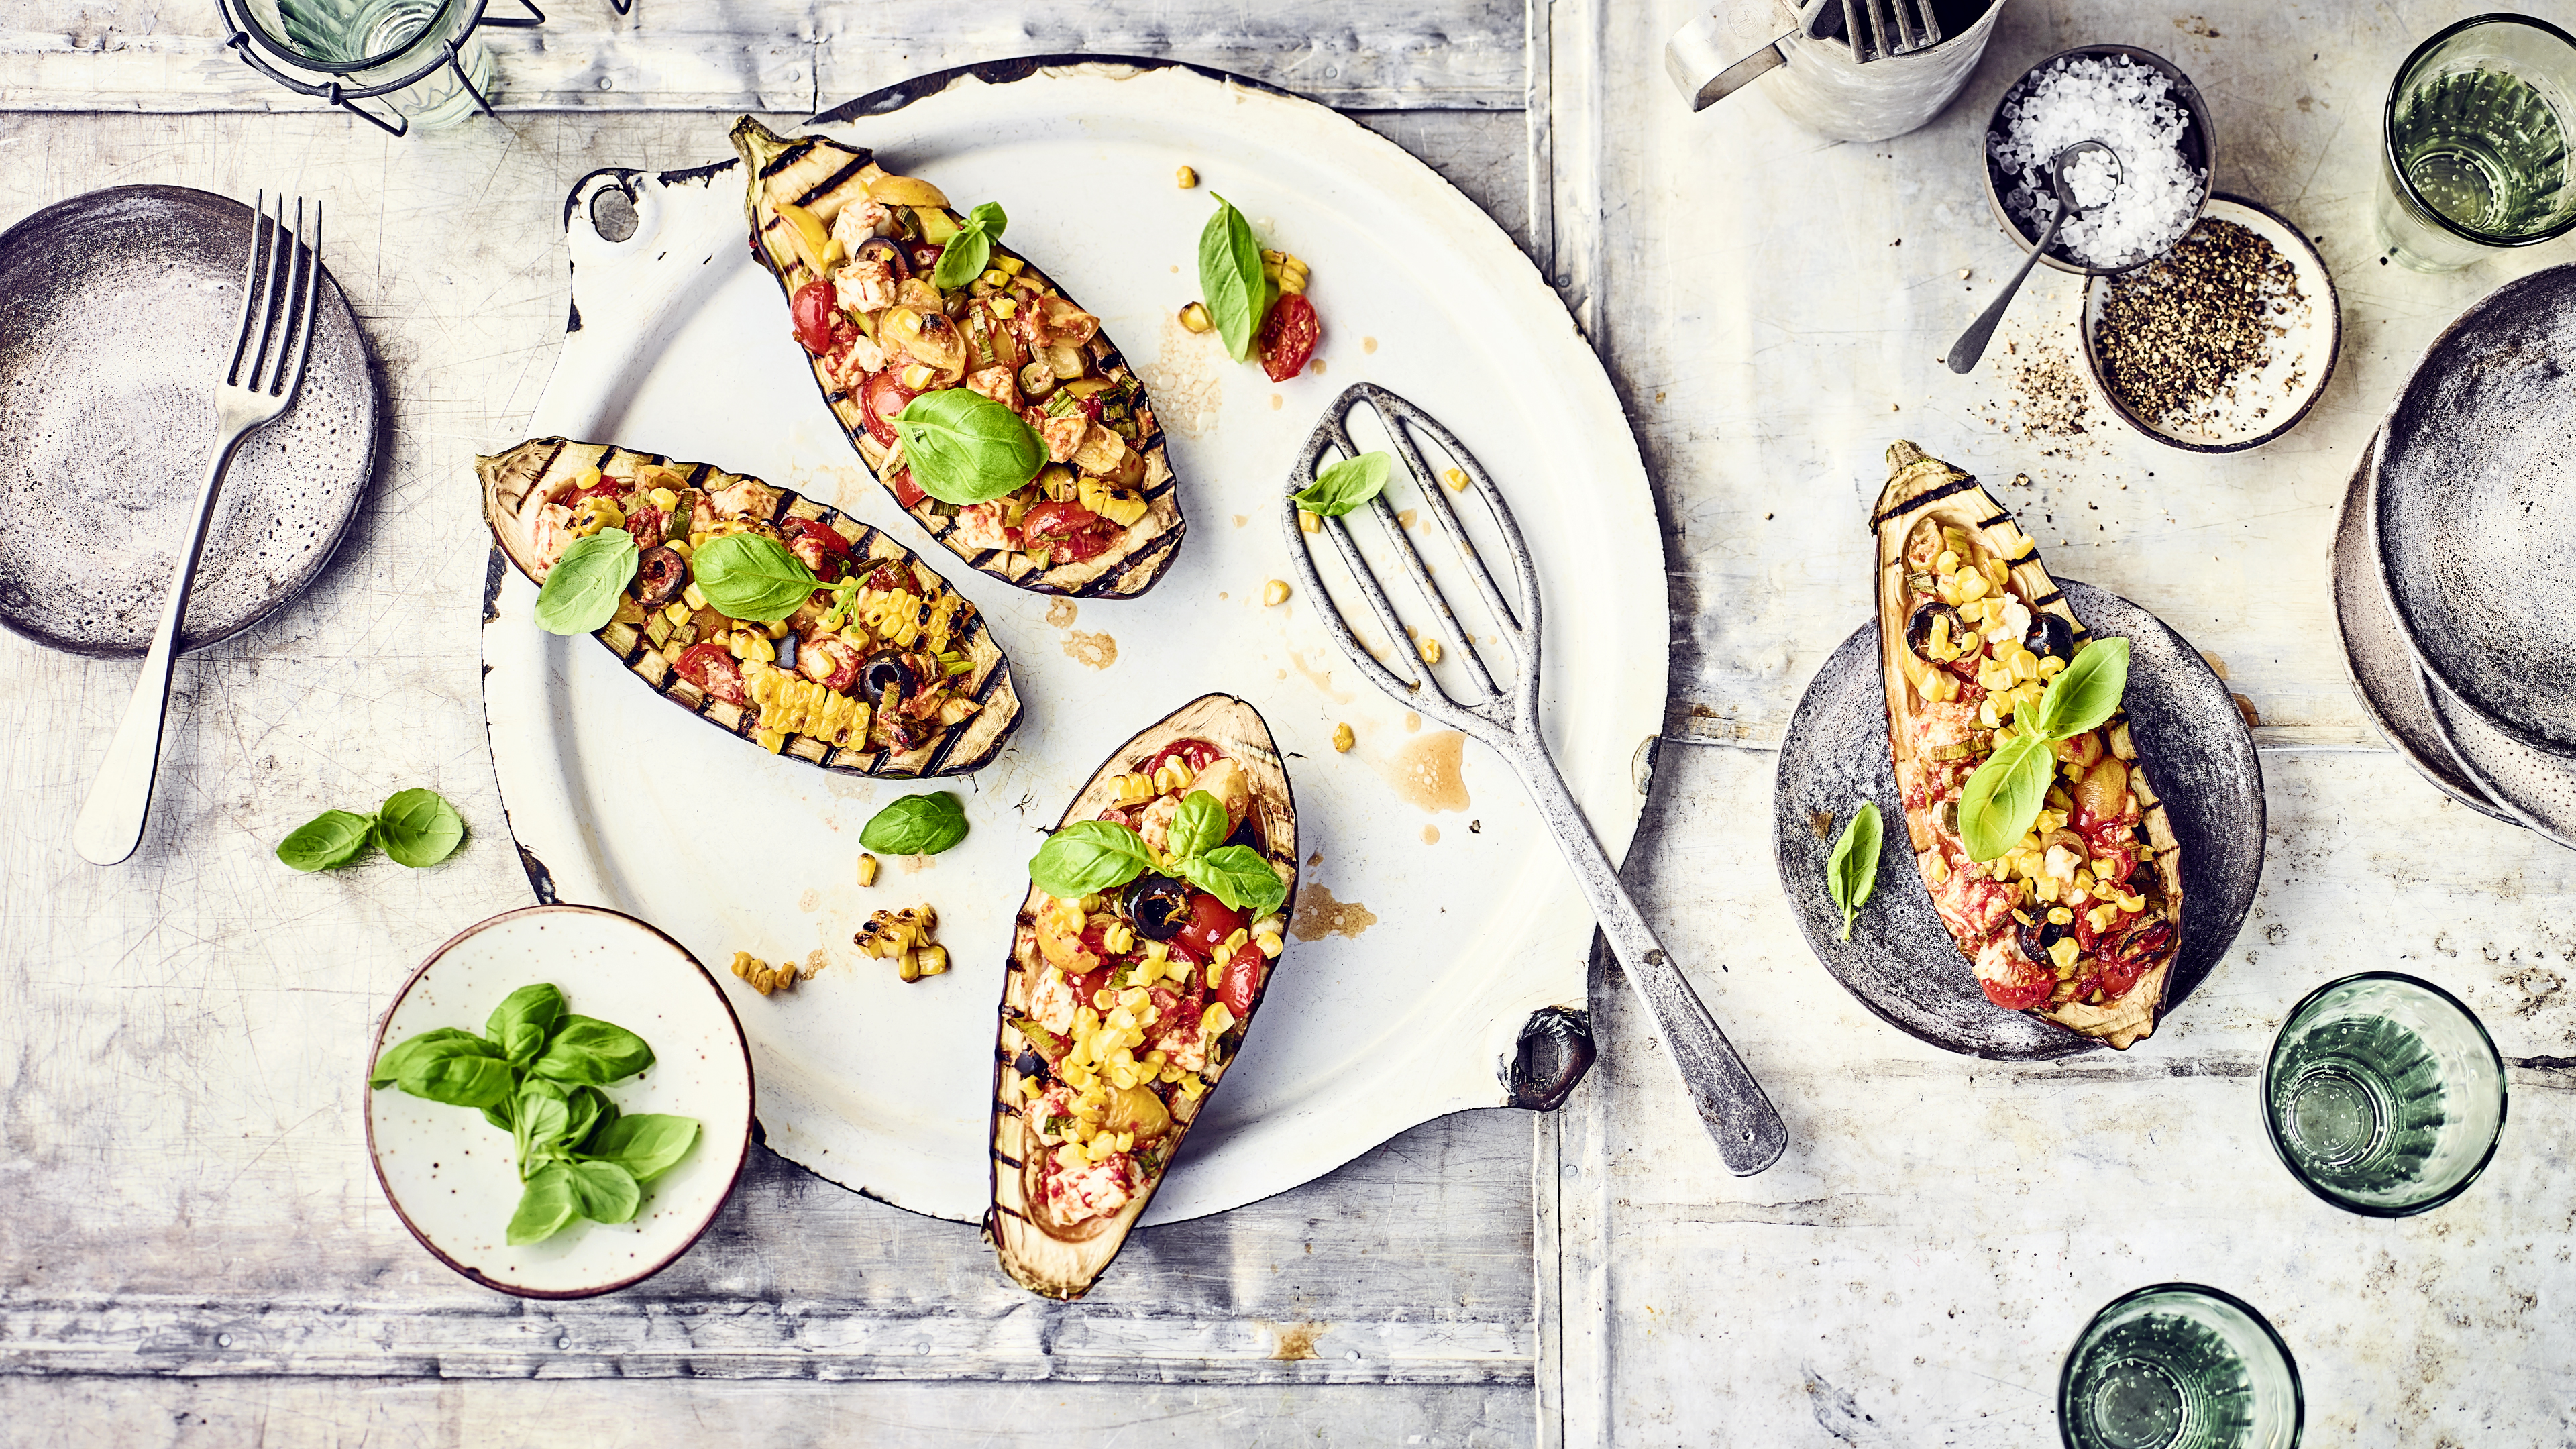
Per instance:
{"type": "Point", "coordinates": [1737, 42]}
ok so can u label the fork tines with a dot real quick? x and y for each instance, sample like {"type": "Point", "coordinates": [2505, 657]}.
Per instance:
{"type": "Point", "coordinates": [1516, 621]}
{"type": "Point", "coordinates": [281, 283]}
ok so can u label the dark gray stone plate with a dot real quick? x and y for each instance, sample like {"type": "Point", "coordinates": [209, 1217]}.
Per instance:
{"type": "Point", "coordinates": [2475, 508]}
{"type": "Point", "coordinates": [116, 310]}
{"type": "Point", "coordinates": [2384, 674]}
{"type": "Point", "coordinates": [1900, 961]}
{"type": "Point", "coordinates": [2537, 787]}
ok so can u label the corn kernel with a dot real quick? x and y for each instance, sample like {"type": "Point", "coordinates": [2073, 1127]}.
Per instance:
{"type": "Point", "coordinates": [1271, 945]}
{"type": "Point", "coordinates": [2061, 916]}
{"type": "Point", "coordinates": [1274, 593]}
{"type": "Point", "coordinates": [867, 869]}
{"type": "Point", "coordinates": [1310, 522]}
{"type": "Point", "coordinates": [1456, 478]}
{"type": "Point", "coordinates": [2049, 666]}
{"type": "Point", "coordinates": [996, 277]}
{"type": "Point", "coordinates": [1947, 563]}
{"type": "Point", "coordinates": [1185, 178]}
{"type": "Point", "coordinates": [1195, 318]}
{"type": "Point", "coordinates": [1003, 307]}
{"type": "Point", "coordinates": [2063, 953]}
{"type": "Point", "coordinates": [1972, 586]}
{"type": "Point", "coordinates": [1430, 651]}
{"type": "Point", "coordinates": [1011, 265]}
{"type": "Point", "coordinates": [1343, 739]}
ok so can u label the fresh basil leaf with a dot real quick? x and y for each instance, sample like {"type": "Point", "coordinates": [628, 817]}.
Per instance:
{"type": "Point", "coordinates": [2086, 692]}
{"type": "Point", "coordinates": [327, 841]}
{"type": "Point", "coordinates": [418, 828]}
{"type": "Point", "coordinates": [1238, 876]}
{"type": "Point", "coordinates": [545, 1206]}
{"type": "Point", "coordinates": [964, 448]}
{"type": "Point", "coordinates": [541, 1117]}
{"type": "Point", "coordinates": [389, 1066]}
{"type": "Point", "coordinates": [500, 1115]}
{"type": "Point", "coordinates": [646, 1144]}
{"type": "Point", "coordinates": [463, 1071]}
{"type": "Point", "coordinates": [1230, 277]}
{"type": "Point", "coordinates": [916, 825]}
{"type": "Point", "coordinates": [1088, 856]}
{"type": "Point", "coordinates": [1200, 827]}
{"type": "Point", "coordinates": [2003, 797]}
{"type": "Point", "coordinates": [580, 593]}
{"type": "Point", "coordinates": [1345, 484]}
{"type": "Point", "coordinates": [963, 258]}
{"type": "Point", "coordinates": [590, 1052]}
{"type": "Point", "coordinates": [605, 1192]}
{"type": "Point", "coordinates": [518, 1026]}
{"type": "Point", "coordinates": [591, 1111]}
{"type": "Point", "coordinates": [751, 576]}
{"type": "Point", "coordinates": [1852, 873]}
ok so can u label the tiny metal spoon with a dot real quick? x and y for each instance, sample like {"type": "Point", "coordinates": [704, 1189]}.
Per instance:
{"type": "Point", "coordinates": [1972, 343]}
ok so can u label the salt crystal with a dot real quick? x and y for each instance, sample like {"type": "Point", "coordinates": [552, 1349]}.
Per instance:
{"type": "Point", "coordinates": [2126, 106]}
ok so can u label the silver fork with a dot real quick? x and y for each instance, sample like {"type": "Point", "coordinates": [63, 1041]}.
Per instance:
{"type": "Point", "coordinates": [280, 283]}
{"type": "Point", "coordinates": [1747, 1130]}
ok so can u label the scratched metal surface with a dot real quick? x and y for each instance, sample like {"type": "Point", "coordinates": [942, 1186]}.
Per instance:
{"type": "Point", "coordinates": [1914, 1269]}
{"type": "Point", "coordinates": [193, 1250]}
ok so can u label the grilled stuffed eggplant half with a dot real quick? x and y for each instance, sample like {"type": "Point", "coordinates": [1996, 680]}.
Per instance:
{"type": "Point", "coordinates": [1124, 1005]}
{"type": "Point", "coordinates": [892, 672]}
{"type": "Point", "coordinates": [2081, 920]}
{"type": "Point", "coordinates": [856, 250]}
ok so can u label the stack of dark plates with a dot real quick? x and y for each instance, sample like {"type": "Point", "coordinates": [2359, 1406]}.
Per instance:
{"type": "Point", "coordinates": [2455, 560]}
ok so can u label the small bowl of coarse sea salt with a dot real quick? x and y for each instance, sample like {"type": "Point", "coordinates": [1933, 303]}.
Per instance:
{"type": "Point", "coordinates": [2136, 103]}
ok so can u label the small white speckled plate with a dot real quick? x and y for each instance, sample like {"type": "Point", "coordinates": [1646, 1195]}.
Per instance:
{"type": "Point", "coordinates": [450, 1174]}
{"type": "Point", "coordinates": [2268, 402]}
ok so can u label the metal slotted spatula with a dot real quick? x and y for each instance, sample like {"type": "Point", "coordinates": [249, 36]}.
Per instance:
{"type": "Point", "coordinates": [1748, 1132]}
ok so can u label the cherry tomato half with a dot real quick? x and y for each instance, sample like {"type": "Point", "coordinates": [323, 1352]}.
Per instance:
{"type": "Point", "coordinates": [819, 547]}
{"type": "Point", "coordinates": [814, 311]}
{"type": "Point", "coordinates": [1197, 754]}
{"type": "Point", "coordinates": [1242, 981]}
{"type": "Point", "coordinates": [711, 668]}
{"type": "Point", "coordinates": [1288, 337]}
{"type": "Point", "coordinates": [906, 492]}
{"type": "Point", "coordinates": [880, 399]}
{"type": "Point", "coordinates": [1067, 529]}
{"type": "Point", "coordinates": [1211, 922]}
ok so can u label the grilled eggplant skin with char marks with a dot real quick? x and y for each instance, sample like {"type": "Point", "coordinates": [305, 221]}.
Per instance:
{"type": "Point", "coordinates": [2070, 971]}
{"type": "Point", "coordinates": [528, 496]}
{"type": "Point", "coordinates": [1045, 1248]}
{"type": "Point", "coordinates": [1104, 518]}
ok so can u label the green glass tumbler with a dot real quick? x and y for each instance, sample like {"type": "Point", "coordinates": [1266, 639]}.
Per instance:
{"type": "Point", "coordinates": [2179, 1366]}
{"type": "Point", "coordinates": [2475, 143]}
{"type": "Point", "coordinates": [2384, 1095]}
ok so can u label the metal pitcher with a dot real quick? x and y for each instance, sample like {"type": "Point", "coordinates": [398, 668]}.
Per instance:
{"type": "Point", "coordinates": [1818, 84]}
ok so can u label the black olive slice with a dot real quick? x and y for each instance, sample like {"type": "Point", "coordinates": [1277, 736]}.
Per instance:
{"type": "Point", "coordinates": [1156, 905]}
{"type": "Point", "coordinates": [2050, 637]}
{"type": "Point", "coordinates": [885, 674]}
{"type": "Point", "coordinates": [2035, 941]}
{"type": "Point", "coordinates": [659, 576]}
{"type": "Point", "coordinates": [1918, 630]}
{"type": "Point", "coordinates": [888, 253]}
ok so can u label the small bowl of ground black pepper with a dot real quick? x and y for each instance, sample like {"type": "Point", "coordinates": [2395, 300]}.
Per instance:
{"type": "Point", "coordinates": [2225, 341]}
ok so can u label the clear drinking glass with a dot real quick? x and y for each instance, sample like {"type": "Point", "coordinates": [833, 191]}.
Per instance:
{"type": "Point", "coordinates": [370, 47]}
{"type": "Point", "coordinates": [2179, 1366]}
{"type": "Point", "coordinates": [2476, 134]}
{"type": "Point", "coordinates": [2384, 1094]}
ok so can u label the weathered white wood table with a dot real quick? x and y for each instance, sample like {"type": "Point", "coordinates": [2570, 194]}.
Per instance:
{"type": "Point", "coordinates": [191, 1247]}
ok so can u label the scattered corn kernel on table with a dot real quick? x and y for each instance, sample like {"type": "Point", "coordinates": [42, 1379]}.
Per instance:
{"type": "Point", "coordinates": [194, 1249]}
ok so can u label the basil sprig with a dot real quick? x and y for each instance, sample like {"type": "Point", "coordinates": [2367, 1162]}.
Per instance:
{"type": "Point", "coordinates": [1999, 802]}
{"type": "Point", "coordinates": [962, 259]}
{"type": "Point", "coordinates": [1238, 296]}
{"type": "Point", "coordinates": [1345, 484]}
{"type": "Point", "coordinates": [964, 448]}
{"type": "Point", "coordinates": [581, 591]}
{"type": "Point", "coordinates": [1852, 873]}
{"type": "Point", "coordinates": [536, 1073]}
{"type": "Point", "coordinates": [751, 576]}
{"type": "Point", "coordinates": [916, 825]}
{"type": "Point", "coordinates": [1090, 856]}
{"type": "Point", "coordinates": [416, 827]}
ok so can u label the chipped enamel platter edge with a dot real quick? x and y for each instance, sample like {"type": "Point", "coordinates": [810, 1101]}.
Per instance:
{"type": "Point", "coordinates": [616, 799]}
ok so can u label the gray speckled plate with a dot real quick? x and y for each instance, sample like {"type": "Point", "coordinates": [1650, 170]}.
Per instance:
{"type": "Point", "coordinates": [1900, 961]}
{"type": "Point", "coordinates": [2384, 675]}
{"type": "Point", "coordinates": [116, 310]}
{"type": "Point", "coordinates": [2535, 787]}
{"type": "Point", "coordinates": [2475, 508]}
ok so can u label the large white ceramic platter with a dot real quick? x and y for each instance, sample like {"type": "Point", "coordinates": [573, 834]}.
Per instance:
{"type": "Point", "coordinates": [1435, 915]}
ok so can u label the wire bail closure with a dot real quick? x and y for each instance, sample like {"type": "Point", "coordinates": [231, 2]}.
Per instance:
{"type": "Point", "coordinates": [447, 56]}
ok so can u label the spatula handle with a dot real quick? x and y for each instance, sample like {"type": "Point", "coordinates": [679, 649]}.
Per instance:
{"type": "Point", "coordinates": [1742, 1122]}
